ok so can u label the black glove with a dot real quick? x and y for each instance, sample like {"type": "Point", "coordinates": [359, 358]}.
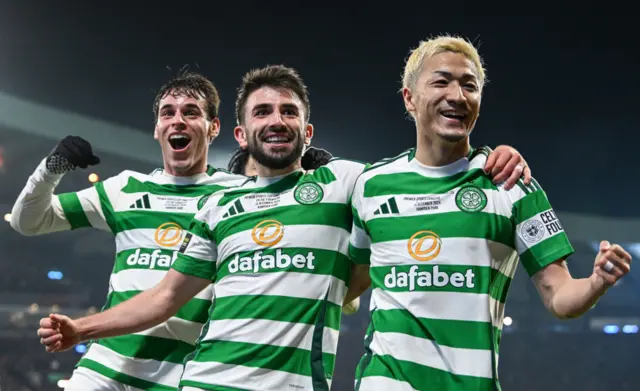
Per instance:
{"type": "Point", "coordinates": [314, 158]}
{"type": "Point", "coordinates": [238, 161]}
{"type": "Point", "coordinates": [71, 152]}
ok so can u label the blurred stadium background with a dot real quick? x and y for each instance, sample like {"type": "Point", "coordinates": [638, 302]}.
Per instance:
{"type": "Point", "coordinates": [92, 73]}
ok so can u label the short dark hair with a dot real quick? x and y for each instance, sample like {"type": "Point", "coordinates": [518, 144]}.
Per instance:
{"type": "Point", "coordinates": [272, 76]}
{"type": "Point", "coordinates": [193, 85]}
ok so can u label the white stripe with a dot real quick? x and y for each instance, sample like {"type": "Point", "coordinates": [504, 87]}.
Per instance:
{"type": "Point", "coordinates": [176, 328]}
{"type": "Point", "coordinates": [202, 249]}
{"type": "Point", "coordinates": [432, 204]}
{"type": "Point", "coordinates": [245, 378]}
{"type": "Point", "coordinates": [92, 207]}
{"type": "Point", "coordinates": [453, 251]}
{"type": "Point", "coordinates": [466, 362]}
{"type": "Point", "coordinates": [142, 238]}
{"type": "Point", "coordinates": [359, 238]}
{"type": "Point", "coordinates": [158, 203]}
{"type": "Point", "coordinates": [160, 372]}
{"type": "Point", "coordinates": [290, 284]}
{"type": "Point", "coordinates": [322, 237]}
{"type": "Point", "coordinates": [270, 332]}
{"type": "Point", "coordinates": [143, 279]}
{"type": "Point", "coordinates": [537, 229]}
{"type": "Point", "coordinates": [381, 383]}
{"type": "Point", "coordinates": [435, 305]}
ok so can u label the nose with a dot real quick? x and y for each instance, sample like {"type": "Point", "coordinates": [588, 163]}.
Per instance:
{"type": "Point", "coordinates": [178, 122]}
{"type": "Point", "coordinates": [276, 120]}
{"type": "Point", "coordinates": [455, 94]}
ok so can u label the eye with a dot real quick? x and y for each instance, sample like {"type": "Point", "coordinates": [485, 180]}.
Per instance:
{"type": "Point", "coordinates": [166, 113]}
{"type": "Point", "coordinates": [290, 112]}
{"type": "Point", "coordinates": [471, 87]}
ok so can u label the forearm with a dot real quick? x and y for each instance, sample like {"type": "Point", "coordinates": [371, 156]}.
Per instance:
{"type": "Point", "coordinates": [143, 311]}
{"type": "Point", "coordinates": [37, 210]}
{"type": "Point", "coordinates": [575, 297]}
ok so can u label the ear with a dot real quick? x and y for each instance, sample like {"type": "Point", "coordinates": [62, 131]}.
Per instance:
{"type": "Point", "coordinates": [155, 132]}
{"type": "Point", "coordinates": [308, 134]}
{"type": "Point", "coordinates": [240, 135]}
{"type": "Point", "coordinates": [214, 129]}
{"type": "Point", "coordinates": [408, 100]}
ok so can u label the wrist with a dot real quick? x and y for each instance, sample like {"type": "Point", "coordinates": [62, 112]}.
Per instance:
{"type": "Point", "coordinates": [598, 284]}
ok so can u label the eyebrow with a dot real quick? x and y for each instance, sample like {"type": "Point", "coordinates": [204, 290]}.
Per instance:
{"type": "Point", "coordinates": [449, 75]}
{"type": "Point", "coordinates": [269, 105]}
{"type": "Point", "coordinates": [188, 106]}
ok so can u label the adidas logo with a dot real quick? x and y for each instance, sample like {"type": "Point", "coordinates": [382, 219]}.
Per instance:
{"type": "Point", "coordinates": [388, 207]}
{"type": "Point", "coordinates": [234, 210]}
{"type": "Point", "coordinates": [141, 203]}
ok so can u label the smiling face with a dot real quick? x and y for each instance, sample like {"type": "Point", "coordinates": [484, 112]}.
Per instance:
{"type": "Point", "coordinates": [274, 129]}
{"type": "Point", "coordinates": [445, 101]}
{"type": "Point", "coordinates": [184, 132]}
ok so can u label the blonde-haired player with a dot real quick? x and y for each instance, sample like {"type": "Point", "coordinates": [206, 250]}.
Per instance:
{"type": "Point", "coordinates": [441, 263]}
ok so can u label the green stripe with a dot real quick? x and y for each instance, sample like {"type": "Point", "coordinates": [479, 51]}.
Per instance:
{"type": "Point", "coordinates": [361, 256]}
{"type": "Point", "coordinates": [322, 175]}
{"type": "Point", "coordinates": [141, 219]}
{"type": "Point", "coordinates": [73, 210]}
{"type": "Point", "coordinates": [107, 208]}
{"type": "Point", "coordinates": [200, 229]}
{"type": "Point", "coordinates": [335, 215]}
{"type": "Point", "coordinates": [529, 206]}
{"type": "Point", "coordinates": [122, 378]}
{"type": "Point", "coordinates": [356, 218]}
{"type": "Point", "coordinates": [436, 278]}
{"type": "Point", "coordinates": [191, 266]}
{"type": "Point", "coordinates": [453, 333]}
{"type": "Point", "coordinates": [415, 183]}
{"type": "Point", "coordinates": [143, 259]}
{"type": "Point", "coordinates": [421, 377]}
{"type": "Point", "coordinates": [278, 308]}
{"type": "Point", "coordinates": [279, 358]}
{"type": "Point", "coordinates": [147, 347]}
{"type": "Point", "coordinates": [366, 358]}
{"type": "Point", "coordinates": [135, 186]}
{"type": "Point", "coordinates": [446, 225]}
{"type": "Point", "coordinates": [196, 310]}
{"type": "Point", "coordinates": [286, 183]}
{"type": "Point", "coordinates": [325, 262]}
{"type": "Point", "coordinates": [546, 252]}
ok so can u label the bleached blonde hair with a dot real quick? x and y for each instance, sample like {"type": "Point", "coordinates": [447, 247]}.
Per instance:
{"type": "Point", "coordinates": [431, 47]}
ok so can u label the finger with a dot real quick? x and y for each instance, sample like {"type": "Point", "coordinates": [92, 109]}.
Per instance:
{"type": "Point", "coordinates": [60, 319]}
{"type": "Point", "coordinates": [614, 264]}
{"type": "Point", "coordinates": [44, 333]}
{"type": "Point", "coordinates": [52, 340]}
{"type": "Point", "coordinates": [54, 348]}
{"type": "Point", "coordinates": [515, 176]}
{"type": "Point", "coordinates": [604, 245]}
{"type": "Point", "coordinates": [509, 166]}
{"type": "Point", "coordinates": [501, 162]}
{"type": "Point", "coordinates": [527, 174]}
{"type": "Point", "coordinates": [621, 252]}
{"type": "Point", "coordinates": [46, 323]}
{"type": "Point", "coordinates": [609, 279]}
{"type": "Point", "coordinates": [491, 161]}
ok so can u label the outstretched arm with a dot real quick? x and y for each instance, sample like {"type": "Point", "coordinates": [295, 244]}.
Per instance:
{"type": "Point", "coordinates": [566, 297]}
{"type": "Point", "coordinates": [149, 308]}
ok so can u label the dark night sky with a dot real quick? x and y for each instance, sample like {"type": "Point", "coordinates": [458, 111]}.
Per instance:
{"type": "Point", "coordinates": [563, 83]}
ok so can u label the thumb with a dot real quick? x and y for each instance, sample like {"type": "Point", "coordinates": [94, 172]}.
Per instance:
{"type": "Point", "coordinates": [604, 245]}
{"type": "Point", "coordinates": [59, 319]}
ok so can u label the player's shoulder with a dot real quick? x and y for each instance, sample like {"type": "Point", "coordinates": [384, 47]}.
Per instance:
{"type": "Point", "coordinates": [388, 165]}
{"type": "Point", "coordinates": [224, 177]}
{"type": "Point", "coordinates": [339, 164]}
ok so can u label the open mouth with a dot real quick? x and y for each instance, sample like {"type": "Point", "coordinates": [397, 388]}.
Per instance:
{"type": "Point", "coordinates": [179, 141]}
{"type": "Point", "coordinates": [277, 139]}
{"type": "Point", "coordinates": [453, 115]}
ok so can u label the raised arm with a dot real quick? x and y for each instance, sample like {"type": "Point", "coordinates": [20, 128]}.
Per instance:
{"type": "Point", "coordinates": [38, 211]}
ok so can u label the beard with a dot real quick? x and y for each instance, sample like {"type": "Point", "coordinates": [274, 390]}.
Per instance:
{"type": "Point", "coordinates": [274, 160]}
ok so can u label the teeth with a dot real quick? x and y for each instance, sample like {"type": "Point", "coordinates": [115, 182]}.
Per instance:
{"type": "Point", "coordinates": [276, 139]}
{"type": "Point", "coordinates": [178, 136]}
{"type": "Point", "coordinates": [452, 114]}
